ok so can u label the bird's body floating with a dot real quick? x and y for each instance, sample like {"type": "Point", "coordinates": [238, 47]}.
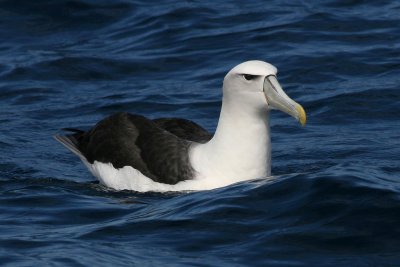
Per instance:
{"type": "Point", "coordinates": [126, 151]}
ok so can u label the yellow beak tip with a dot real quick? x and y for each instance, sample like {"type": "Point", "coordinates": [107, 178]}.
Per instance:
{"type": "Point", "coordinates": [302, 115]}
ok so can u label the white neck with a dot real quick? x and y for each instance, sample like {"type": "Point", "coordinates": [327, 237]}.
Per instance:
{"type": "Point", "coordinates": [241, 147]}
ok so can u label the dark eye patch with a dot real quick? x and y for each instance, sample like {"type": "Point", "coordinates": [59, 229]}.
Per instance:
{"type": "Point", "coordinates": [249, 77]}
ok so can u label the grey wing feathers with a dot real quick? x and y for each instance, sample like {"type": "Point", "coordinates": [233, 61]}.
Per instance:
{"type": "Point", "coordinates": [184, 129]}
{"type": "Point", "coordinates": [157, 148]}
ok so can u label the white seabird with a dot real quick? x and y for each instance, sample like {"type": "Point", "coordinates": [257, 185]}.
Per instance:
{"type": "Point", "coordinates": [127, 151]}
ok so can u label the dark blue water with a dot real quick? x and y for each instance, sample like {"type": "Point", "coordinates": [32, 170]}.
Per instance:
{"type": "Point", "coordinates": [336, 197]}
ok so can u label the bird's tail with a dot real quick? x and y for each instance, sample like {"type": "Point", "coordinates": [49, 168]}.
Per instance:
{"type": "Point", "coordinates": [70, 141]}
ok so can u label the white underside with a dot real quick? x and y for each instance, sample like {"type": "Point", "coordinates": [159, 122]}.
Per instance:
{"type": "Point", "coordinates": [128, 178]}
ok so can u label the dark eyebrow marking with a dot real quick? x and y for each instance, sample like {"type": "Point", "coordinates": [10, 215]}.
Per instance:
{"type": "Point", "coordinates": [250, 77]}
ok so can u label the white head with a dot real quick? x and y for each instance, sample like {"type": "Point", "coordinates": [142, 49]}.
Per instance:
{"type": "Point", "coordinates": [253, 84]}
{"type": "Point", "coordinates": [240, 148]}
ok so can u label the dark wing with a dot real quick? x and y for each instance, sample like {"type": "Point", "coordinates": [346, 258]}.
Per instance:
{"type": "Point", "coordinates": [184, 129]}
{"type": "Point", "coordinates": [131, 140]}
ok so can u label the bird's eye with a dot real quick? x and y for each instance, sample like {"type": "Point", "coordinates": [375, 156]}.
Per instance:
{"type": "Point", "coordinates": [249, 77]}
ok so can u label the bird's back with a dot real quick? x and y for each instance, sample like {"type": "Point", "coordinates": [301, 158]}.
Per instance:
{"type": "Point", "coordinates": [157, 148]}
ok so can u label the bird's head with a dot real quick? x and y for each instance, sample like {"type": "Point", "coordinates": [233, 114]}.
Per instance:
{"type": "Point", "coordinates": [255, 83]}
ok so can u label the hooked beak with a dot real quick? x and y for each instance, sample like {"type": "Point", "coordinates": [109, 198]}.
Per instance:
{"type": "Point", "coordinates": [277, 99]}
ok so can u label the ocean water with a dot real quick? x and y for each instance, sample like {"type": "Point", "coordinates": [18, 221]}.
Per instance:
{"type": "Point", "coordinates": [335, 199]}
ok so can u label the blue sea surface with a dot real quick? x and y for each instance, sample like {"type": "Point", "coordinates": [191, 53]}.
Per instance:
{"type": "Point", "coordinates": [335, 199]}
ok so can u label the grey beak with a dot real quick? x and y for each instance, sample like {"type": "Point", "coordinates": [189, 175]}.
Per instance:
{"type": "Point", "coordinates": [278, 99]}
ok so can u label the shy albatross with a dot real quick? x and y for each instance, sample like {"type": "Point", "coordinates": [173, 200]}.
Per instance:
{"type": "Point", "coordinates": [129, 151]}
